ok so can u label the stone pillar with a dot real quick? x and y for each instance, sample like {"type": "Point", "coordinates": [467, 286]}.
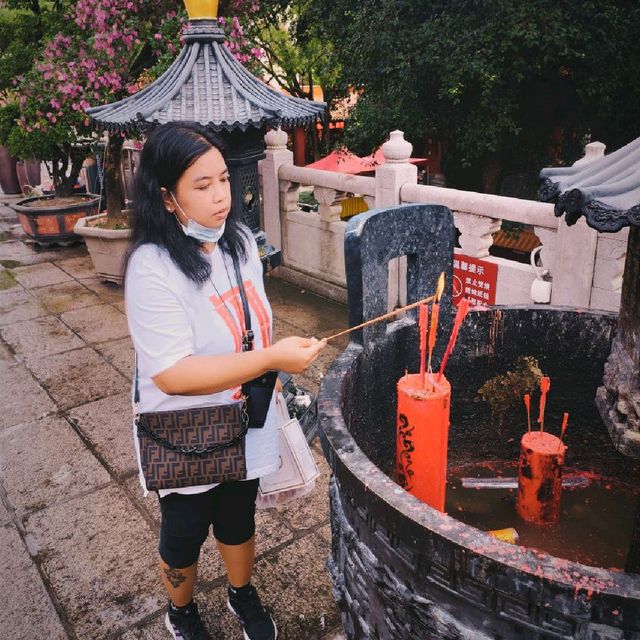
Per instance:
{"type": "Point", "coordinates": [276, 155]}
{"type": "Point", "coordinates": [592, 151]}
{"type": "Point", "coordinates": [390, 176]}
{"type": "Point", "coordinates": [574, 264]}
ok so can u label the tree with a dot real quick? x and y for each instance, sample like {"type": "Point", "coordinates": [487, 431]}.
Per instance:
{"type": "Point", "coordinates": [106, 50]}
{"type": "Point", "coordinates": [497, 82]}
{"type": "Point", "coordinates": [292, 49]}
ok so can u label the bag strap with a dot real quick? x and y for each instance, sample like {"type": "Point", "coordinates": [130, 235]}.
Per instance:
{"type": "Point", "coordinates": [247, 340]}
{"type": "Point", "coordinates": [136, 388]}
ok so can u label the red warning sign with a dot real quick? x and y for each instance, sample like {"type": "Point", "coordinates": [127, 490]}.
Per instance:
{"type": "Point", "coordinates": [474, 279]}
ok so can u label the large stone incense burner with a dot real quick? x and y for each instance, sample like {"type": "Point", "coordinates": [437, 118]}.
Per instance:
{"type": "Point", "coordinates": [401, 569]}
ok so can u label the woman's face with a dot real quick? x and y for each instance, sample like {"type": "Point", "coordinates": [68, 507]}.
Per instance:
{"type": "Point", "coordinates": [203, 191]}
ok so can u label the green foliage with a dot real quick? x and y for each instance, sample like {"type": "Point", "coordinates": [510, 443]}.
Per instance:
{"type": "Point", "coordinates": [20, 34]}
{"type": "Point", "coordinates": [504, 392]}
{"type": "Point", "coordinates": [492, 80]}
{"type": "Point", "coordinates": [8, 116]}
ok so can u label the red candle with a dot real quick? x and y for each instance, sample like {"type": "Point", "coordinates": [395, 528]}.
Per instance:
{"type": "Point", "coordinates": [461, 314]}
{"type": "Point", "coordinates": [422, 437]}
{"type": "Point", "coordinates": [527, 404]}
{"type": "Point", "coordinates": [422, 327]}
{"type": "Point", "coordinates": [540, 477]}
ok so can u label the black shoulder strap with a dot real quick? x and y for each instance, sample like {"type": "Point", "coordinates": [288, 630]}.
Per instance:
{"type": "Point", "coordinates": [247, 341]}
{"type": "Point", "coordinates": [136, 390]}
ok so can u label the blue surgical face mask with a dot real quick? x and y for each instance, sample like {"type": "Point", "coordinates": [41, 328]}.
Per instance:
{"type": "Point", "coordinates": [196, 230]}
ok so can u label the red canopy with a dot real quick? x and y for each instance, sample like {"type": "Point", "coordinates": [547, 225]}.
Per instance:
{"type": "Point", "coordinates": [344, 161]}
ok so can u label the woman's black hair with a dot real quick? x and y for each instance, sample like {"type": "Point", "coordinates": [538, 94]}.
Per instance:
{"type": "Point", "coordinates": [168, 151]}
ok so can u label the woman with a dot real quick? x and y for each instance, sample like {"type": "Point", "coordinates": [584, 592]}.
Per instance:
{"type": "Point", "coordinates": [185, 321]}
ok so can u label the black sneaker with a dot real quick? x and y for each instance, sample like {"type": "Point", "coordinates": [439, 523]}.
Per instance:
{"type": "Point", "coordinates": [185, 623]}
{"type": "Point", "coordinates": [256, 622]}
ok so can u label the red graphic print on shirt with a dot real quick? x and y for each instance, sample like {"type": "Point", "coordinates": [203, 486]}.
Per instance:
{"type": "Point", "coordinates": [231, 300]}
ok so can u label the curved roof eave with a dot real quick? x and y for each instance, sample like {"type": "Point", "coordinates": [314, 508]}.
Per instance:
{"type": "Point", "coordinates": [606, 191]}
{"type": "Point", "coordinates": [192, 86]}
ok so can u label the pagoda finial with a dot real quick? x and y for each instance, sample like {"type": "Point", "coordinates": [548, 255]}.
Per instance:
{"type": "Point", "coordinates": [202, 9]}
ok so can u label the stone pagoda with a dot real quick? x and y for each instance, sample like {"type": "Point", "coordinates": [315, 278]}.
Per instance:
{"type": "Point", "coordinates": [206, 84]}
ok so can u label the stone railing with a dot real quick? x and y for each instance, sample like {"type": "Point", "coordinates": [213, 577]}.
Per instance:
{"type": "Point", "coordinates": [584, 268]}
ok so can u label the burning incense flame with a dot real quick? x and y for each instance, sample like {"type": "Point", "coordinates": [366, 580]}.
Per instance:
{"type": "Point", "coordinates": [440, 287]}
{"type": "Point", "coordinates": [545, 385]}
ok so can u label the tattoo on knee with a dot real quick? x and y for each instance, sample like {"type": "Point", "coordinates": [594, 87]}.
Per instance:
{"type": "Point", "coordinates": [175, 576]}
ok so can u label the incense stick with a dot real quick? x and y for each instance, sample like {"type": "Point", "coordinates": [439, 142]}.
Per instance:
{"type": "Point", "coordinates": [395, 312]}
{"type": "Point", "coordinates": [422, 328]}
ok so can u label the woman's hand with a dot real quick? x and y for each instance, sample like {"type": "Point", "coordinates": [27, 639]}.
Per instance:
{"type": "Point", "coordinates": [295, 354]}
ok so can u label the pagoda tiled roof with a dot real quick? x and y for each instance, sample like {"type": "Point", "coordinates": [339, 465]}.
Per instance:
{"type": "Point", "coordinates": [605, 191]}
{"type": "Point", "coordinates": [208, 85]}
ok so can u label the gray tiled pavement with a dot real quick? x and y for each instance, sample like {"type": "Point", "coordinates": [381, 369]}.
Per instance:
{"type": "Point", "coordinates": [77, 538]}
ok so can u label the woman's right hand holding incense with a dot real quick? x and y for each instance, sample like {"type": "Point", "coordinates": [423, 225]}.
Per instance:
{"type": "Point", "coordinates": [295, 354]}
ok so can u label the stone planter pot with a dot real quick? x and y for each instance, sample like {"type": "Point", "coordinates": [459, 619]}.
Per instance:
{"type": "Point", "coordinates": [28, 173]}
{"type": "Point", "coordinates": [8, 177]}
{"type": "Point", "coordinates": [107, 247]}
{"type": "Point", "coordinates": [47, 222]}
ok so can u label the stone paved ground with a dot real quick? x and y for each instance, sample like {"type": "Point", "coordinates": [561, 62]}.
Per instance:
{"type": "Point", "coordinates": [77, 537]}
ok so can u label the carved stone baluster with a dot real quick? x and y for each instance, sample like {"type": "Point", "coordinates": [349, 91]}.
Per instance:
{"type": "Point", "coordinates": [329, 206]}
{"type": "Point", "coordinates": [475, 233]}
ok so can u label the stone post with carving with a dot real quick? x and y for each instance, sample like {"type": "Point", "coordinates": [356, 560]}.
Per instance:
{"type": "Point", "coordinates": [276, 155]}
{"type": "Point", "coordinates": [390, 176]}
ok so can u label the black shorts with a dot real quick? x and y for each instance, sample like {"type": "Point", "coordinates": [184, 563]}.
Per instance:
{"type": "Point", "coordinates": [229, 508]}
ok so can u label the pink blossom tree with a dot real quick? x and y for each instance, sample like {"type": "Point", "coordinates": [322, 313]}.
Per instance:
{"type": "Point", "coordinates": [109, 49]}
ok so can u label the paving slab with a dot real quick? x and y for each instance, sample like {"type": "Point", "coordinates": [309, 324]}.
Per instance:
{"type": "Point", "coordinates": [79, 267]}
{"type": "Point", "coordinates": [6, 357]}
{"type": "Point", "coordinates": [7, 281]}
{"type": "Point", "coordinates": [312, 315]}
{"type": "Point", "coordinates": [17, 305]}
{"type": "Point", "coordinates": [101, 562]}
{"type": "Point", "coordinates": [120, 354]}
{"type": "Point", "coordinates": [16, 250]}
{"type": "Point", "coordinates": [21, 397]}
{"type": "Point", "coordinates": [27, 610]}
{"type": "Point", "coordinates": [325, 533]}
{"type": "Point", "coordinates": [40, 336]}
{"type": "Point", "coordinates": [270, 533]}
{"type": "Point", "coordinates": [298, 590]}
{"type": "Point", "coordinates": [77, 377]}
{"type": "Point", "coordinates": [67, 296]}
{"type": "Point", "coordinates": [40, 275]}
{"type": "Point", "coordinates": [98, 323]}
{"type": "Point", "coordinates": [5, 516]}
{"type": "Point", "coordinates": [148, 504]}
{"type": "Point", "coordinates": [108, 291]}
{"type": "Point", "coordinates": [107, 425]}
{"type": "Point", "coordinates": [45, 461]}
{"type": "Point", "coordinates": [153, 629]}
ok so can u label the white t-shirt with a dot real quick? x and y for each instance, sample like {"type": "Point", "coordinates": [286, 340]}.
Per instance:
{"type": "Point", "coordinates": [171, 317]}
